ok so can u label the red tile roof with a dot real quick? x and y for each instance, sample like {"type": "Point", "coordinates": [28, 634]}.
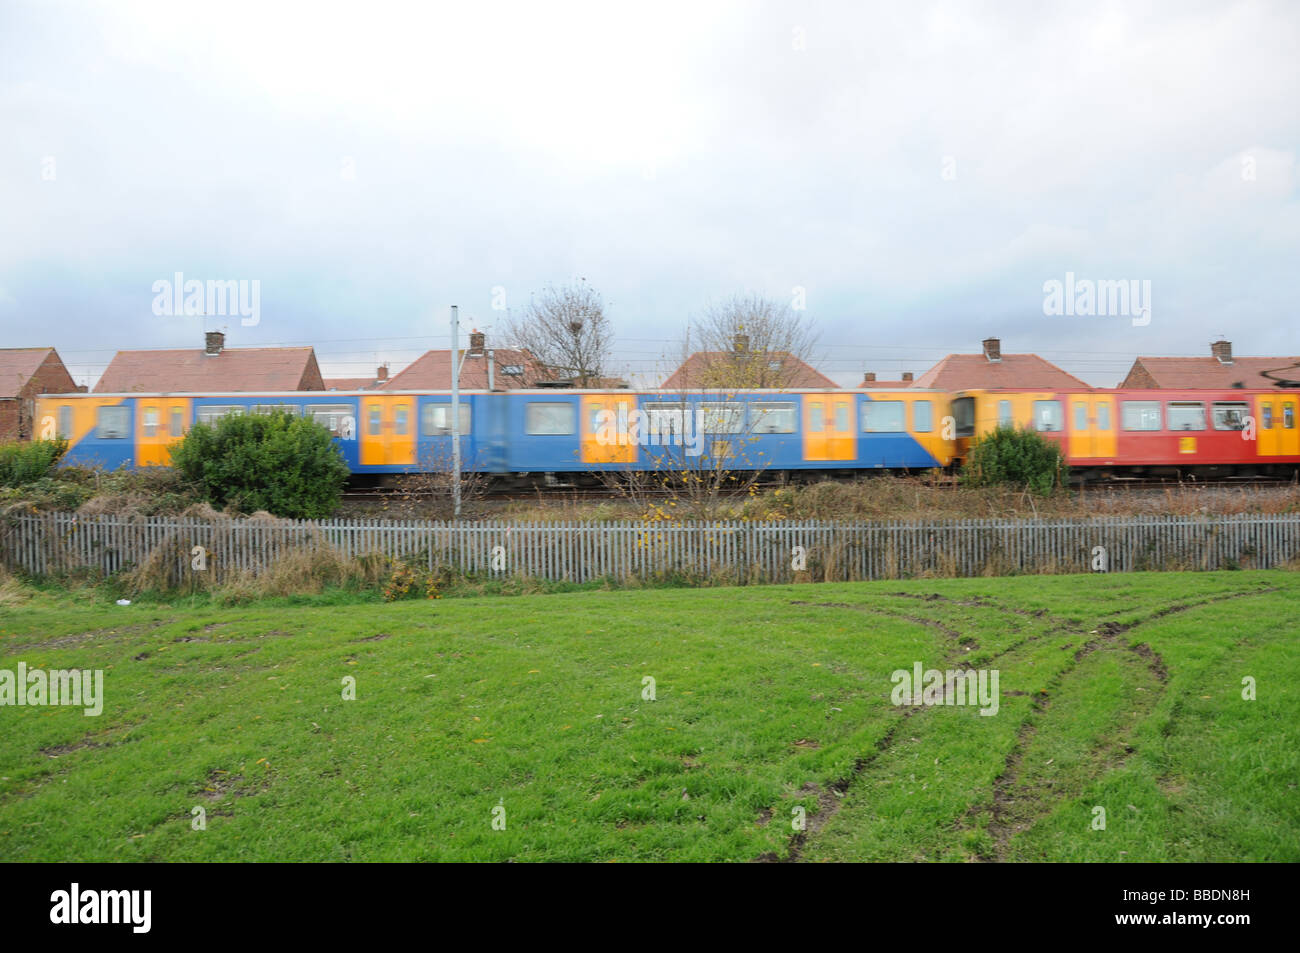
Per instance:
{"type": "Point", "coordinates": [432, 371]}
{"type": "Point", "coordinates": [193, 370]}
{"type": "Point", "coordinates": [1192, 373]}
{"type": "Point", "coordinates": [1013, 371]}
{"type": "Point", "coordinates": [17, 365]}
{"type": "Point", "coordinates": [715, 368]}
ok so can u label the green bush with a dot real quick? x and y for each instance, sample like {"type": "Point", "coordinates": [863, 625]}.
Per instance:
{"type": "Point", "coordinates": [22, 463]}
{"type": "Point", "coordinates": [278, 462]}
{"type": "Point", "coordinates": [1019, 458]}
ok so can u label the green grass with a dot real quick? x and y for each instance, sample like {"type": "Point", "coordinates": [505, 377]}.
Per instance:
{"type": "Point", "coordinates": [768, 699]}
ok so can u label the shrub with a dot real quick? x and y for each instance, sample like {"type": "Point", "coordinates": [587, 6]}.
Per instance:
{"type": "Point", "coordinates": [26, 462]}
{"type": "Point", "coordinates": [1012, 457]}
{"type": "Point", "coordinates": [280, 463]}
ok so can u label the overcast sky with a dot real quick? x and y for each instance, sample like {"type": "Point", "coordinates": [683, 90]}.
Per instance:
{"type": "Point", "coordinates": [920, 170]}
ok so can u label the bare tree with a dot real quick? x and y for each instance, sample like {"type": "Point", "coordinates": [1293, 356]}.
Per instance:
{"type": "Point", "coordinates": [749, 341]}
{"type": "Point", "coordinates": [567, 331]}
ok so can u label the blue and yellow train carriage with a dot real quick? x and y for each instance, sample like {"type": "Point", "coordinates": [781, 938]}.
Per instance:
{"type": "Point", "coordinates": [535, 431]}
{"type": "Point", "coordinates": [385, 433]}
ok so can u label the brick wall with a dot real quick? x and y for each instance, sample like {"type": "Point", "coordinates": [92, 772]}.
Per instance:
{"type": "Point", "coordinates": [1139, 376]}
{"type": "Point", "coordinates": [50, 378]}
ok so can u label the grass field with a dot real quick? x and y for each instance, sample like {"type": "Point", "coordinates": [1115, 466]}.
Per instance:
{"type": "Point", "coordinates": [1118, 692]}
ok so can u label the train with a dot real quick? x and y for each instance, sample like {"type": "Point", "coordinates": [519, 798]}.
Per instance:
{"type": "Point", "coordinates": [555, 436]}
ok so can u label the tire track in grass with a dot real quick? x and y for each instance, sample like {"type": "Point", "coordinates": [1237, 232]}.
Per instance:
{"type": "Point", "coordinates": [1008, 814]}
{"type": "Point", "coordinates": [830, 799]}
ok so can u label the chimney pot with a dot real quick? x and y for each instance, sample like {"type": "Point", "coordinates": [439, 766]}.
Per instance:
{"type": "Point", "coordinates": [907, 377]}
{"type": "Point", "coordinates": [868, 377]}
{"type": "Point", "coordinates": [477, 343]}
{"type": "Point", "coordinates": [213, 342]}
{"type": "Point", "coordinates": [1222, 350]}
{"type": "Point", "coordinates": [993, 349]}
{"type": "Point", "coordinates": [381, 374]}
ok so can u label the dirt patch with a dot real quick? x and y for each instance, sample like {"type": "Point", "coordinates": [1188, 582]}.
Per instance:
{"type": "Point", "coordinates": [375, 638]}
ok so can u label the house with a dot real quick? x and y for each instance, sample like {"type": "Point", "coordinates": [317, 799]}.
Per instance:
{"type": "Point", "coordinates": [212, 369]}
{"type": "Point", "coordinates": [26, 372]}
{"type": "Point", "coordinates": [1219, 370]}
{"type": "Point", "coordinates": [992, 370]}
{"type": "Point", "coordinates": [742, 367]}
{"type": "Point", "coordinates": [481, 369]}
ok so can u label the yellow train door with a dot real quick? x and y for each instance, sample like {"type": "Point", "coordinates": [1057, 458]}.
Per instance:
{"type": "Point", "coordinates": [1276, 426]}
{"type": "Point", "coordinates": [160, 422]}
{"type": "Point", "coordinates": [1266, 426]}
{"type": "Point", "coordinates": [387, 428]}
{"type": "Point", "coordinates": [1092, 427]}
{"type": "Point", "coordinates": [828, 432]}
{"type": "Point", "coordinates": [606, 422]}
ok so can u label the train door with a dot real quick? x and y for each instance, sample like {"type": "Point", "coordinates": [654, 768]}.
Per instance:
{"type": "Point", "coordinates": [387, 428]}
{"type": "Point", "coordinates": [1092, 427]}
{"type": "Point", "coordinates": [828, 427]}
{"type": "Point", "coordinates": [1275, 426]}
{"type": "Point", "coordinates": [606, 420]}
{"type": "Point", "coordinates": [159, 423]}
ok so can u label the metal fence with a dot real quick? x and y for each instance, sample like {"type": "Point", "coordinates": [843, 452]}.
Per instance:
{"type": "Point", "coordinates": [724, 551]}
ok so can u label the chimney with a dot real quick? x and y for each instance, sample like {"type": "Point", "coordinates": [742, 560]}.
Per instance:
{"type": "Point", "coordinates": [83, 388]}
{"type": "Point", "coordinates": [907, 377]}
{"type": "Point", "coordinates": [477, 342]}
{"type": "Point", "coordinates": [1222, 350]}
{"type": "Point", "coordinates": [993, 349]}
{"type": "Point", "coordinates": [213, 342]}
{"type": "Point", "coordinates": [741, 343]}
{"type": "Point", "coordinates": [381, 374]}
{"type": "Point", "coordinates": [868, 378]}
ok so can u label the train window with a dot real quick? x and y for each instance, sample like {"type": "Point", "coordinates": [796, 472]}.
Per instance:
{"type": "Point", "coordinates": [435, 419]}
{"type": "Point", "coordinates": [1186, 415]}
{"type": "Point", "coordinates": [1140, 414]}
{"type": "Point", "coordinates": [549, 419]}
{"type": "Point", "coordinates": [401, 418]}
{"type": "Point", "coordinates": [883, 416]}
{"type": "Point", "coordinates": [374, 423]}
{"type": "Point", "coordinates": [1047, 415]}
{"type": "Point", "coordinates": [816, 417]}
{"type": "Point", "coordinates": [1266, 416]}
{"type": "Point", "coordinates": [210, 415]}
{"type": "Point", "coordinates": [1103, 416]}
{"type": "Point", "coordinates": [275, 409]}
{"type": "Point", "coordinates": [1288, 416]}
{"type": "Point", "coordinates": [922, 416]}
{"type": "Point", "coordinates": [665, 419]}
{"type": "Point", "coordinates": [113, 423]}
{"type": "Point", "coordinates": [726, 417]}
{"type": "Point", "coordinates": [150, 421]}
{"type": "Point", "coordinates": [841, 416]}
{"type": "Point", "coordinates": [1230, 416]}
{"type": "Point", "coordinates": [1080, 415]}
{"type": "Point", "coordinates": [333, 417]}
{"type": "Point", "coordinates": [65, 421]}
{"type": "Point", "coordinates": [772, 417]}
{"type": "Point", "coordinates": [176, 422]}
{"type": "Point", "coordinates": [963, 414]}
{"type": "Point", "coordinates": [1005, 417]}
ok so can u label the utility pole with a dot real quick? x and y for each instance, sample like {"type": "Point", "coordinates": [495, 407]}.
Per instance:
{"type": "Point", "coordinates": [455, 411]}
